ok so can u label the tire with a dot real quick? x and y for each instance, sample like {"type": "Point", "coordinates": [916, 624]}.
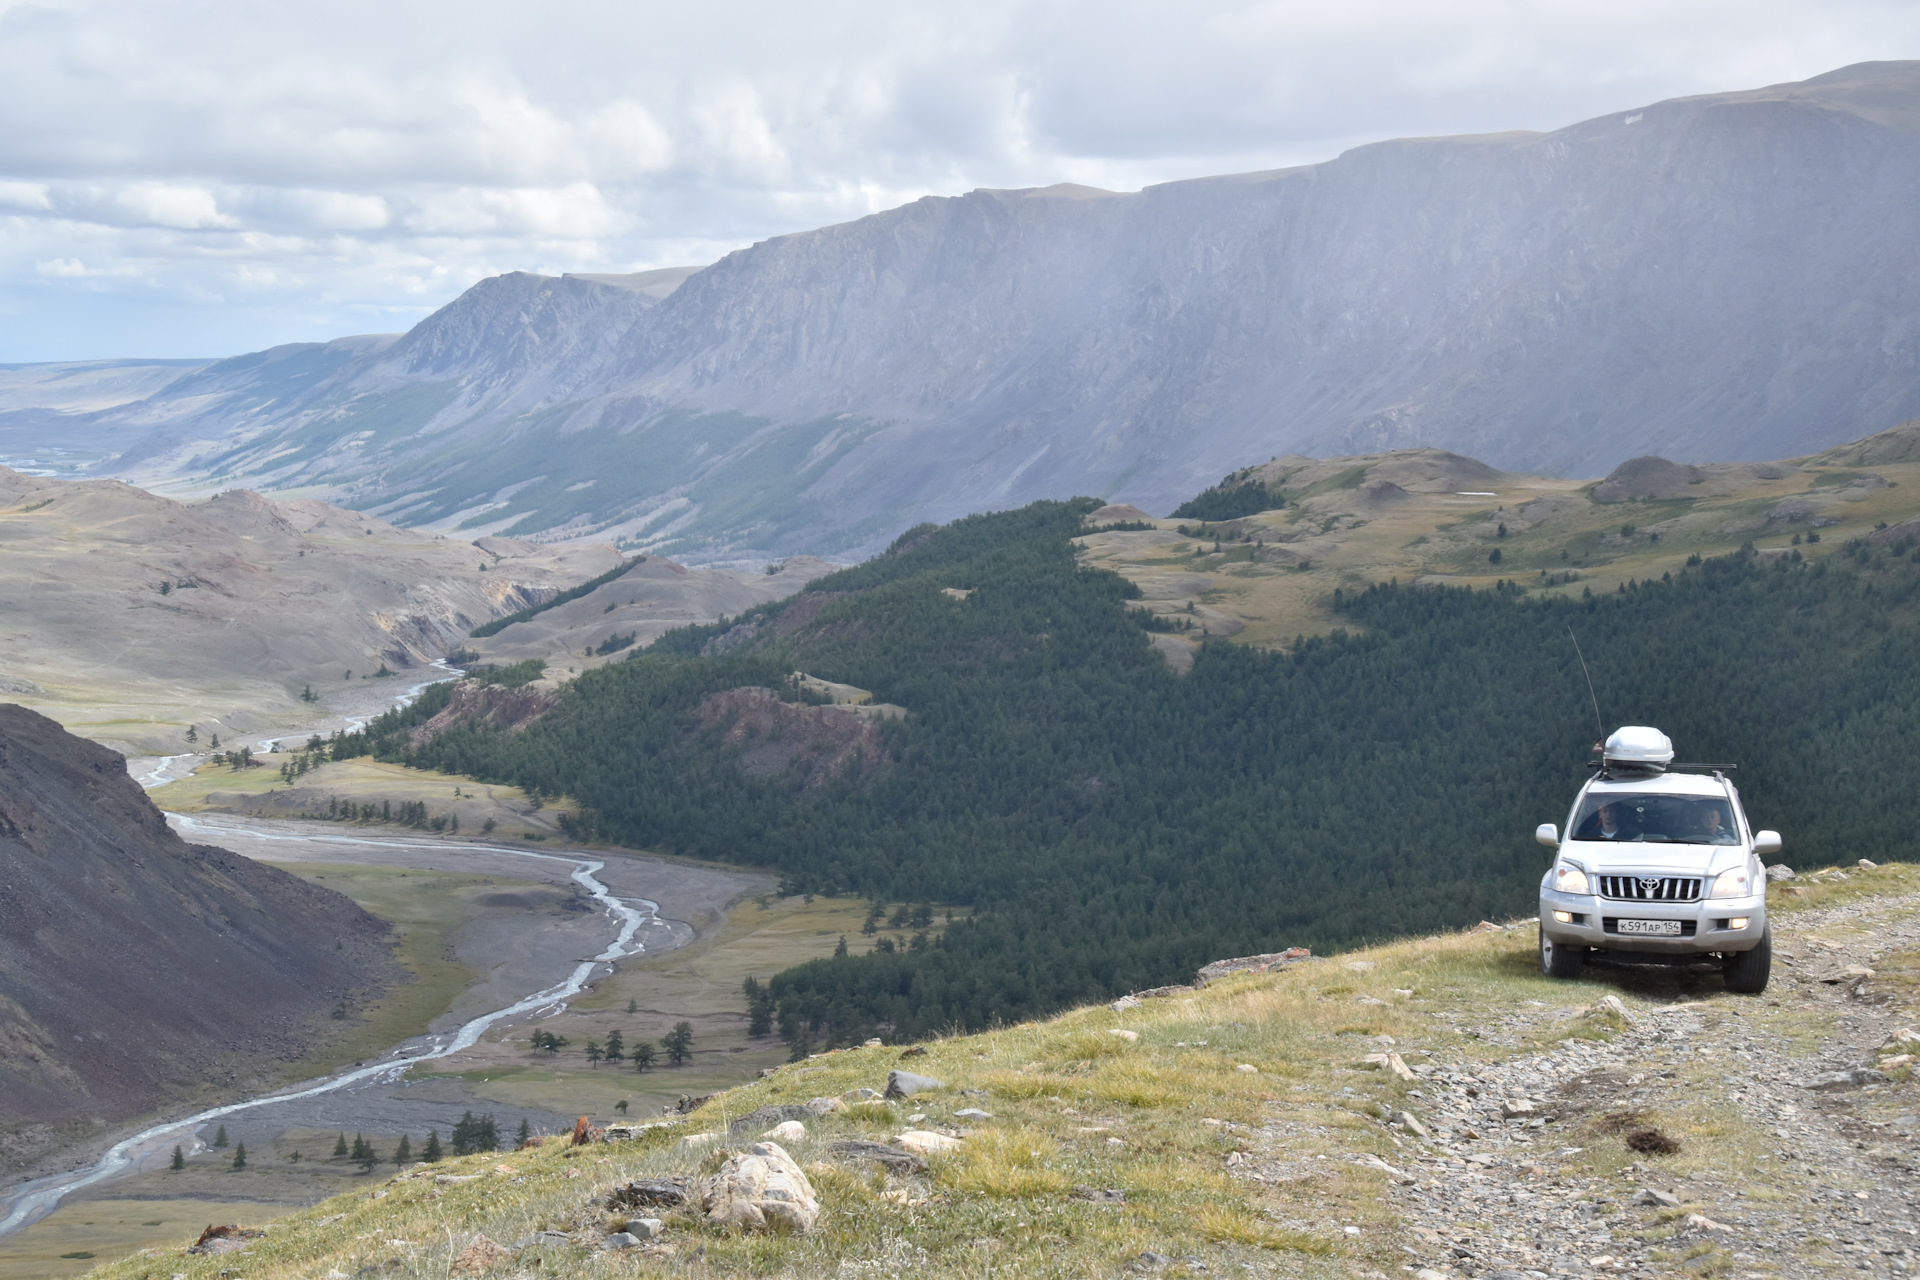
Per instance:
{"type": "Point", "coordinates": [1747, 971]}
{"type": "Point", "coordinates": [1557, 960]}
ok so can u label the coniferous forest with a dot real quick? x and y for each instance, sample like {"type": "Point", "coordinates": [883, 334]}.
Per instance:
{"type": "Point", "coordinates": [1101, 824]}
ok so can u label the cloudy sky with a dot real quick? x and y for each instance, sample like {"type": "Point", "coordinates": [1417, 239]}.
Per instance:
{"type": "Point", "coordinates": [202, 177]}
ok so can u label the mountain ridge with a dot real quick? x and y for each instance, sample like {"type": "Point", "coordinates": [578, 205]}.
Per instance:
{"type": "Point", "coordinates": [1550, 302]}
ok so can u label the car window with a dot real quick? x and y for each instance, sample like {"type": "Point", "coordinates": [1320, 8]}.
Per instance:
{"type": "Point", "coordinates": [1656, 819]}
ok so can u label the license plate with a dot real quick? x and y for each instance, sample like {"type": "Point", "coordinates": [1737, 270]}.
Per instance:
{"type": "Point", "coordinates": [1665, 928]}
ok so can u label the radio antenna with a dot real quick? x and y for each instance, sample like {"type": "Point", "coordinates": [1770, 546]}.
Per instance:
{"type": "Point", "coordinates": [1598, 723]}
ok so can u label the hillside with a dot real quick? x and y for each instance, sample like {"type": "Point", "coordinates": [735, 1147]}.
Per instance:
{"type": "Point", "coordinates": [1110, 823]}
{"type": "Point", "coordinates": [1551, 303]}
{"type": "Point", "coordinates": [1635, 1122]}
{"type": "Point", "coordinates": [135, 969]}
{"type": "Point", "coordinates": [654, 596]}
{"type": "Point", "coordinates": [130, 616]}
{"type": "Point", "coordinates": [1259, 555]}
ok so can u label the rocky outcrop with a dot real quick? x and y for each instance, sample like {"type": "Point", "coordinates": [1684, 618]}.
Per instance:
{"type": "Point", "coordinates": [813, 745]}
{"type": "Point", "coordinates": [134, 968]}
{"type": "Point", "coordinates": [492, 705]}
{"type": "Point", "coordinates": [760, 1190]}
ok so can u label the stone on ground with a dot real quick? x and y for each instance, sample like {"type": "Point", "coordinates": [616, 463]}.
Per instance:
{"type": "Point", "coordinates": [760, 1190]}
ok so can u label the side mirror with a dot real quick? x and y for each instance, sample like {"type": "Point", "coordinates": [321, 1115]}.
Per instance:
{"type": "Point", "coordinates": [1766, 843]}
{"type": "Point", "coordinates": [1549, 835]}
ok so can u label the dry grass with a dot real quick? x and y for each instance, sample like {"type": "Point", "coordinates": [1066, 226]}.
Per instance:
{"type": "Point", "coordinates": [1157, 1119]}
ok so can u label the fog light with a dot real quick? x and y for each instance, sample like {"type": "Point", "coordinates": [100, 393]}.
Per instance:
{"type": "Point", "coordinates": [1738, 922]}
{"type": "Point", "coordinates": [1566, 917]}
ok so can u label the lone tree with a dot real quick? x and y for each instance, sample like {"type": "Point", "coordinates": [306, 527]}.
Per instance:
{"type": "Point", "coordinates": [368, 1158]}
{"type": "Point", "coordinates": [430, 1154]}
{"type": "Point", "coordinates": [220, 1138]}
{"type": "Point", "coordinates": [179, 1160]}
{"type": "Point", "coordinates": [240, 1156]}
{"type": "Point", "coordinates": [621, 1106]}
{"type": "Point", "coordinates": [642, 1055]}
{"type": "Point", "coordinates": [340, 1147]}
{"type": "Point", "coordinates": [616, 1046]}
{"type": "Point", "coordinates": [403, 1154]}
{"type": "Point", "coordinates": [678, 1043]}
{"type": "Point", "coordinates": [595, 1053]}
{"type": "Point", "coordinates": [193, 734]}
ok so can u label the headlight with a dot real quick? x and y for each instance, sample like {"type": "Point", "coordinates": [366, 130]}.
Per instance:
{"type": "Point", "coordinates": [1569, 880]}
{"type": "Point", "coordinates": [1732, 884]}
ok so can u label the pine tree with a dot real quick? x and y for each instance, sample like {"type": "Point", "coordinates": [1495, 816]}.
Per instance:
{"type": "Point", "coordinates": [240, 1156]}
{"type": "Point", "coordinates": [621, 1106]}
{"type": "Point", "coordinates": [179, 1160]}
{"type": "Point", "coordinates": [430, 1154]}
{"type": "Point", "coordinates": [193, 734]}
{"type": "Point", "coordinates": [633, 1006]}
{"type": "Point", "coordinates": [368, 1157]}
{"type": "Point", "coordinates": [595, 1053]}
{"type": "Point", "coordinates": [616, 1046]}
{"type": "Point", "coordinates": [678, 1043]}
{"type": "Point", "coordinates": [220, 1138]}
{"type": "Point", "coordinates": [642, 1055]}
{"type": "Point", "coordinates": [841, 948]}
{"type": "Point", "coordinates": [524, 1136]}
{"type": "Point", "coordinates": [403, 1154]}
{"type": "Point", "coordinates": [340, 1147]}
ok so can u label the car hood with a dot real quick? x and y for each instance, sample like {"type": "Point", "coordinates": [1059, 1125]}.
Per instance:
{"type": "Point", "coordinates": [1603, 856]}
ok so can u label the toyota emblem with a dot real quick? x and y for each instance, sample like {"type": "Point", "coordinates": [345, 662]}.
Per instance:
{"type": "Point", "coordinates": [1649, 885]}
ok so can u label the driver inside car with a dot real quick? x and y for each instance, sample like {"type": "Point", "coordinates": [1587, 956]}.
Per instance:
{"type": "Point", "coordinates": [1604, 824]}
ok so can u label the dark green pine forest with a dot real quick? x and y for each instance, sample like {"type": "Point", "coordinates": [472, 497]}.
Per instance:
{"type": "Point", "coordinates": [1100, 824]}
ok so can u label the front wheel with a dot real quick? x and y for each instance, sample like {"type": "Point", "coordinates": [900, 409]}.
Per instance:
{"type": "Point", "coordinates": [1558, 960]}
{"type": "Point", "coordinates": [1747, 971]}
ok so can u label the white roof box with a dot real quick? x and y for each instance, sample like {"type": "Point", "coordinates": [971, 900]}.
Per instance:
{"type": "Point", "coordinates": [1635, 748]}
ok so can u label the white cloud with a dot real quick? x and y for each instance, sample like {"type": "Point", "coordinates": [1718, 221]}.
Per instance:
{"type": "Point", "coordinates": [316, 166]}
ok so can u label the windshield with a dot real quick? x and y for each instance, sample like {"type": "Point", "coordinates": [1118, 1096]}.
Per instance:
{"type": "Point", "coordinates": [1665, 819]}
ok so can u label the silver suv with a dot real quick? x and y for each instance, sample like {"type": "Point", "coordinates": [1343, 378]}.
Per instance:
{"type": "Point", "coordinates": [1657, 867]}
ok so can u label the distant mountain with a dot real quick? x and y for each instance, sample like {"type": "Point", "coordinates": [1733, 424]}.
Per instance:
{"type": "Point", "coordinates": [129, 616]}
{"type": "Point", "coordinates": [135, 969]}
{"type": "Point", "coordinates": [1726, 277]}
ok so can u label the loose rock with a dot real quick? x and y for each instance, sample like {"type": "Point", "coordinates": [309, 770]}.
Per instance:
{"type": "Point", "coordinates": [924, 1142]}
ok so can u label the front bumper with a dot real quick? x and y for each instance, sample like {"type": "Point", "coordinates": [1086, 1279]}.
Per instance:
{"type": "Point", "coordinates": [1706, 925]}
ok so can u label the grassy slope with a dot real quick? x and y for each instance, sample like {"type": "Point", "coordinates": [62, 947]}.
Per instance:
{"type": "Point", "coordinates": [1076, 1106]}
{"type": "Point", "coordinates": [1447, 536]}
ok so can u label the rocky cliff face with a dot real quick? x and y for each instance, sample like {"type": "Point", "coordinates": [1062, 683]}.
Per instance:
{"type": "Point", "coordinates": [136, 969]}
{"type": "Point", "coordinates": [1714, 278]}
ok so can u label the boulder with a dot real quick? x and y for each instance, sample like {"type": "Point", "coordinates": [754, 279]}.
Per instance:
{"type": "Point", "coordinates": [904, 1084]}
{"type": "Point", "coordinates": [761, 1189]}
{"type": "Point", "coordinates": [1780, 871]}
{"type": "Point", "coordinates": [786, 1131]}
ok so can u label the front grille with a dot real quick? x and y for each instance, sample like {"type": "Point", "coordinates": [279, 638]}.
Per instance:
{"type": "Point", "coordinates": [1650, 888]}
